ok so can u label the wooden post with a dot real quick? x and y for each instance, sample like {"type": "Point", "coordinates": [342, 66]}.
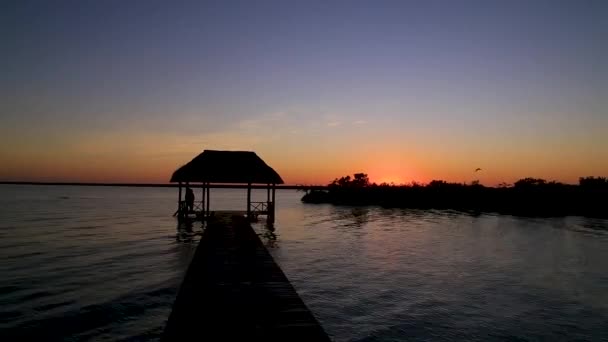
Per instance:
{"type": "Point", "coordinates": [179, 194]}
{"type": "Point", "coordinates": [203, 200]}
{"type": "Point", "coordinates": [249, 201]}
{"type": "Point", "coordinates": [272, 211]}
{"type": "Point", "coordinates": [268, 203]}
{"type": "Point", "coordinates": [268, 193]}
{"type": "Point", "coordinates": [186, 203]}
{"type": "Point", "coordinates": [179, 201]}
{"type": "Point", "coordinates": [208, 190]}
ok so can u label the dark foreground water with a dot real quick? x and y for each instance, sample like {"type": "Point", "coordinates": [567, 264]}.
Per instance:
{"type": "Point", "coordinates": [87, 263]}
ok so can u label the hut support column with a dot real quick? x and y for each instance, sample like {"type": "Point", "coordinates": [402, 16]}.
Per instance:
{"type": "Point", "coordinates": [271, 210]}
{"type": "Point", "coordinates": [179, 202]}
{"type": "Point", "coordinates": [249, 201]}
{"type": "Point", "coordinates": [268, 194]}
{"type": "Point", "coordinates": [179, 196]}
{"type": "Point", "coordinates": [207, 211]}
{"type": "Point", "coordinates": [203, 200]}
{"type": "Point", "coordinates": [187, 209]}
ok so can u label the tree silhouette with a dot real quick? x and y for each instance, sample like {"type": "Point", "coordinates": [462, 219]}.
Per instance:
{"type": "Point", "coordinates": [593, 182]}
{"type": "Point", "coordinates": [359, 180]}
{"type": "Point", "coordinates": [528, 196]}
{"type": "Point", "coordinates": [529, 182]}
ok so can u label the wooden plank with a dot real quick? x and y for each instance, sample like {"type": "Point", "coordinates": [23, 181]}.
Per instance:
{"type": "Point", "coordinates": [234, 290]}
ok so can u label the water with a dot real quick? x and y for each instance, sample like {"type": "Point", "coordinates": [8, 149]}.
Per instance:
{"type": "Point", "coordinates": [89, 263]}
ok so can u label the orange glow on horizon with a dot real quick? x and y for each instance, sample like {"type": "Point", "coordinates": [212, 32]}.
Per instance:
{"type": "Point", "coordinates": [138, 171]}
{"type": "Point", "coordinates": [145, 158]}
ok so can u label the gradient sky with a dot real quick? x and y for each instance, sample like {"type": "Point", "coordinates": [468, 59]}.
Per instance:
{"type": "Point", "coordinates": [127, 91]}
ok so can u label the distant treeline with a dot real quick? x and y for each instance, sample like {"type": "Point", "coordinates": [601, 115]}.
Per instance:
{"type": "Point", "coordinates": [527, 197]}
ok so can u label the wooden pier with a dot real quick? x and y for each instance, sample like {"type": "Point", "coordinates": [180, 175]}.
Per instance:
{"type": "Point", "coordinates": [234, 291]}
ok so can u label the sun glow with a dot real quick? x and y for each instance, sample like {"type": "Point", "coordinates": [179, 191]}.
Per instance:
{"type": "Point", "coordinates": [391, 174]}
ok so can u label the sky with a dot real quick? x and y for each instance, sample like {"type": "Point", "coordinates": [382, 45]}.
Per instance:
{"type": "Point", "coordinates": [127, 91]}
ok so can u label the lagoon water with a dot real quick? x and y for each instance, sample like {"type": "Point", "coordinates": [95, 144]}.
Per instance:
{"type": "Point", "coordinates": [105, 263]}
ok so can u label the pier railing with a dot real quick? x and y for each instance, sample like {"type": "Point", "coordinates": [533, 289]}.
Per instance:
{"type": "Point", "coordinates": [259, 207]}
{"type": "Point", "coordinates": [255, 207]}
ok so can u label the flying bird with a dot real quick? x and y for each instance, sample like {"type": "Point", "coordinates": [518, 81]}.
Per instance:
{"type": "Point", "coordinates": [477, 169]}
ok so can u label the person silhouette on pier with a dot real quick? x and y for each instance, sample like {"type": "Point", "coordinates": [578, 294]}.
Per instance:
{"type": "Point", "coordinates": [190, 199]}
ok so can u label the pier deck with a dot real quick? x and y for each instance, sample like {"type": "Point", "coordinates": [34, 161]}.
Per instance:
{"type": "Point", "coordinates": [233, 290]}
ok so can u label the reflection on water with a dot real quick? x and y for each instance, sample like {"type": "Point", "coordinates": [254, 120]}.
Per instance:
{"type": "Point", "coordinates": [267, 233]}
{"type": "Point", "coordinates": [106, 263]}
{"type": "Point", "coordinates": [594, 224]}
{"type": "Point", "coordinates": [350, 217]}
{"type": "Point", "coordinates": [357, 217]}
{"type": "Point", "coordinates": [393, 274]}
{"type": "Point", "coordinates": [189, 231]}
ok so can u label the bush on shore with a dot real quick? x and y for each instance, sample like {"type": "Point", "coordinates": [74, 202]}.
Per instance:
{"type": "Point", "coordinates": [527, 196]}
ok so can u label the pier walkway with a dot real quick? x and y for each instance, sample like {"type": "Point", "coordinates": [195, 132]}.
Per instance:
{"type": "Point", "coordinates": [234, 291]}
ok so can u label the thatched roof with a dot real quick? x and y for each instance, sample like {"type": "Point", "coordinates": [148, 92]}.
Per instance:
{"type": "Point", "coordinates": [227, 167]}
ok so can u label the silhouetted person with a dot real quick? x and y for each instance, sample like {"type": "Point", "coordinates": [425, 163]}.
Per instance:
{"type": "Point", "coordinates": [190, 199]}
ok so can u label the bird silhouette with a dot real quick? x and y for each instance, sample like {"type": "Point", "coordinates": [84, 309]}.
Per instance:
{"type": "Point", "coordinates": [477, 169]}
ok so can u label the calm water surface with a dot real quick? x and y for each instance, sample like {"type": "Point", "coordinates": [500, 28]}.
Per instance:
{"type": "Point", "coordinates": [89, 263]}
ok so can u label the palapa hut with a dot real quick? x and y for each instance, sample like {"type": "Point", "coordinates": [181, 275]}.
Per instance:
{"type": "Point", "coordinates": [227, 167]}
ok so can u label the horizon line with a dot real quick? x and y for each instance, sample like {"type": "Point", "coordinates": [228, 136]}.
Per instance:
{"type": "Point", "coordinates": [222, 185]}
{"type": "Point", "coordinates": [163, 185]}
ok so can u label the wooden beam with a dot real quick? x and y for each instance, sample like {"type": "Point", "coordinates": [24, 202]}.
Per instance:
{"type": "Point", "coordinates": [248, 201]}
{"type": "Point", "coordinates": [268, 194]}
{"type": "Point", "coordinates": [203, 199]}
{"type": "Point", "coordinates": [272, 211]}
{"type": "Point", "coordinates": [179, 194]}
{"type": "Point", "coordinates": [208, 200]}
{"type": "Point", "coordinates": [179, 200]}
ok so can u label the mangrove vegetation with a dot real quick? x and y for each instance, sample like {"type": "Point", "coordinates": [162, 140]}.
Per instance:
{"type": "Point", "coordinates": [526, 197]}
